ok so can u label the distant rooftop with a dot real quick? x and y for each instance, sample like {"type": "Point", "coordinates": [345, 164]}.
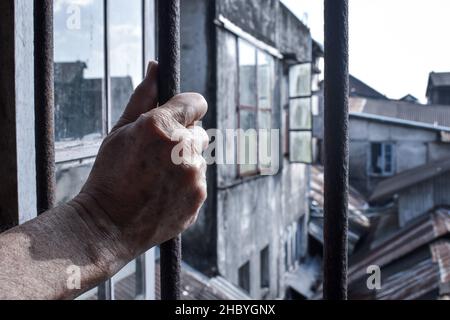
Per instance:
{"type": "Point", "coordinates": [435, 115]}
{"type": "Point", "coordinates": [406, 179]}
{"type": "Point", "coordinates": [440, 79]}
{"type": "Point", "coordinates": [361, 89]}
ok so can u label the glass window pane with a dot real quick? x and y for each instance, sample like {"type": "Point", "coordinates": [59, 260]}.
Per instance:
{"type": "Point", "coordinates": [79, 69]}
{"type": "Point", "coordinates": [300, 80]}
{"type": "Point", "coordinates": [300, 117]}
{"type": "Point", "coordinates": [247, 74]}
{"type": "Point", "coordinates": [265, 80]}
{"type": "Point", "coordinates": [70, 179]}
{"type": "Point", "coordinates": [126, 52]}
{"type": "Point", "coordinates": [248, 142]}
{"type": "Point", "coordinates": [125, 282]}
{"type": "Point", "coordinates": [300, 146]}
{"type": "Point", "coordinates": [264, 119]}
{"type": "Point", "coordinates": [265, 139]}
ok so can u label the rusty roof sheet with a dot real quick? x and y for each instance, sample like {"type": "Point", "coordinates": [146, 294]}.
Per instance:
{"type": "Point", "coordinates": [419, 233]}
{"type": "Point", "coordinates": [408, 178]}
{"type": "Point", "coordinates": [359, 224]}
{"type": "Point", "coordinates": [357, 204]}
{"type": "Point", "coordinates": [417, 276]}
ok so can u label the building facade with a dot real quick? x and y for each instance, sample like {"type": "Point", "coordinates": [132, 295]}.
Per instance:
{"type": "Point", "coordinates": [252, 60]}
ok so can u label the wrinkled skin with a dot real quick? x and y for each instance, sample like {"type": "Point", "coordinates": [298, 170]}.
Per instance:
{"type": "Point", "coordinates": [135, 193]}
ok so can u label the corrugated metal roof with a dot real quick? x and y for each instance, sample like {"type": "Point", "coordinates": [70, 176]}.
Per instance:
{"type": "Point", "coordinates": [436, 115]}
{"type": "Point", "coordinates": [358, 222]}
{"type": "Point", "coordinates": [405, 179]}
{"type": "Point", "coordinates": [420, 232]}
{"type": "Point", "coordinates": [415, 262]}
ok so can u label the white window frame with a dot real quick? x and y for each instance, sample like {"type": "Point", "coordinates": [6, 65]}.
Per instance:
{"type": "Point", "coordinates": [306, 130]}
{"type": "Point", "coordinates": [256, 107]}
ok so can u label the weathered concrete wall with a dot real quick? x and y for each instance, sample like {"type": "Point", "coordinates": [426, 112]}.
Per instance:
{"type": "Point", "coordinates": [242, 216]}
{"type": "Point", "coordinates": [271, 22]}
{"type": "Point", "coordinates": [254, 212]}
{"type": "Point", "coordinates": [413, 147]}
{"type": "Point", "coordinates": [293, 37]}
{"type": "Point", "coordinates": [437, 151]}
{"type": "Point", "coordinates": [257, 17]}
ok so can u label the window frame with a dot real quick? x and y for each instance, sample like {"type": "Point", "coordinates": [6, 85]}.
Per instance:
{"type": "Point", "coordinates": [244, 277]}
{"type": "Point", "coordinates": [76, 152]}
{"type": "Point", "coordinates": [384, 173]}
{"type": "Point", "coordinates": [288, 120]}
{"type": "Point", "coordinates": [256, 108]}
{"type": "Point", "coordinates": [264, 260]}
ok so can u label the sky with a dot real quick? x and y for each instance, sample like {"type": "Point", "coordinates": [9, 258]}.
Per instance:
{"type": "Point", "coordinates": [394, 44]}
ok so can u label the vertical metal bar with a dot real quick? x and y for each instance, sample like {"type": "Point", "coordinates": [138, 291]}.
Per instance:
{"type": "Point", "coordinates": [106, 289]}
{"type": "Point", "coordinates": [336, 149]}
{"type": "Point", "coordinates": [44, 104]}
{"type": "Point", "coordinates": [169, 85]}
{"type": "Point", "coordinates": [107, 110]}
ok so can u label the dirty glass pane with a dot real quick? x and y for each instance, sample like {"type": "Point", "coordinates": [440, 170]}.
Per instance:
{"type": "Point", "coordinates": [300, 146]}
{"type": "Point", "coordinates": [247, 74]}
{"type": "Point", "coordinates": [300, 116]}
{"type": "Point", "coordinates": [70, 179]}
{"type": "Point", "coordinates": [265, 139]}
{"type": "Point", "coordinates": [125, 283]}
{"type": "Point", "coordinates": [300, 80]}
{"type": "Point", "coordinates": [247, 142]}
{"type": "Point", "coordinates": [79, 69]}
{"type": "Point", "coordinates": [265, 80]}
{"type": "Point", "coordinates": [126, 52]}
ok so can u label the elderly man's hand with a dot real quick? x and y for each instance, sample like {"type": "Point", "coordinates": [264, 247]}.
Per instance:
{"type": "Point", "coordinates": [136, 196]}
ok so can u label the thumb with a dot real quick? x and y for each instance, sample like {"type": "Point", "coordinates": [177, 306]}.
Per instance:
{"type": "Point", "coordinates": [144, 98]}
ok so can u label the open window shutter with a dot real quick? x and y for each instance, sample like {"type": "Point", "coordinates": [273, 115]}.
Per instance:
{"type": "Point", "coordinates": [300, 113]}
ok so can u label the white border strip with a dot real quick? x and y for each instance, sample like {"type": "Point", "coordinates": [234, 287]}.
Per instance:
{"type": "Point", "coordinates": [230, 26]}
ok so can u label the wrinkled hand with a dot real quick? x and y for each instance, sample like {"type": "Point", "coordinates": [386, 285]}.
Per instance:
{"type": "Point", "coordinates": [135, 192]}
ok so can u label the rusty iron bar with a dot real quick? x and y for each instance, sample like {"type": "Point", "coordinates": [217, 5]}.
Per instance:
{"type": "Point", "coordinates": [169, 86]}
{"type": "Point", "coordinates": [44, 104]}
{"type": "Point", "coordinates": [336, 150]}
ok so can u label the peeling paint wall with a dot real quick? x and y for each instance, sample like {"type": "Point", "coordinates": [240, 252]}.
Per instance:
{"type": "Point", "coordinates": [255, 17]}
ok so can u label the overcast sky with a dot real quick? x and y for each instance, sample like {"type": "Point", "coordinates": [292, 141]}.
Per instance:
{"type": "Point", "coordinates": [394, 44]}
